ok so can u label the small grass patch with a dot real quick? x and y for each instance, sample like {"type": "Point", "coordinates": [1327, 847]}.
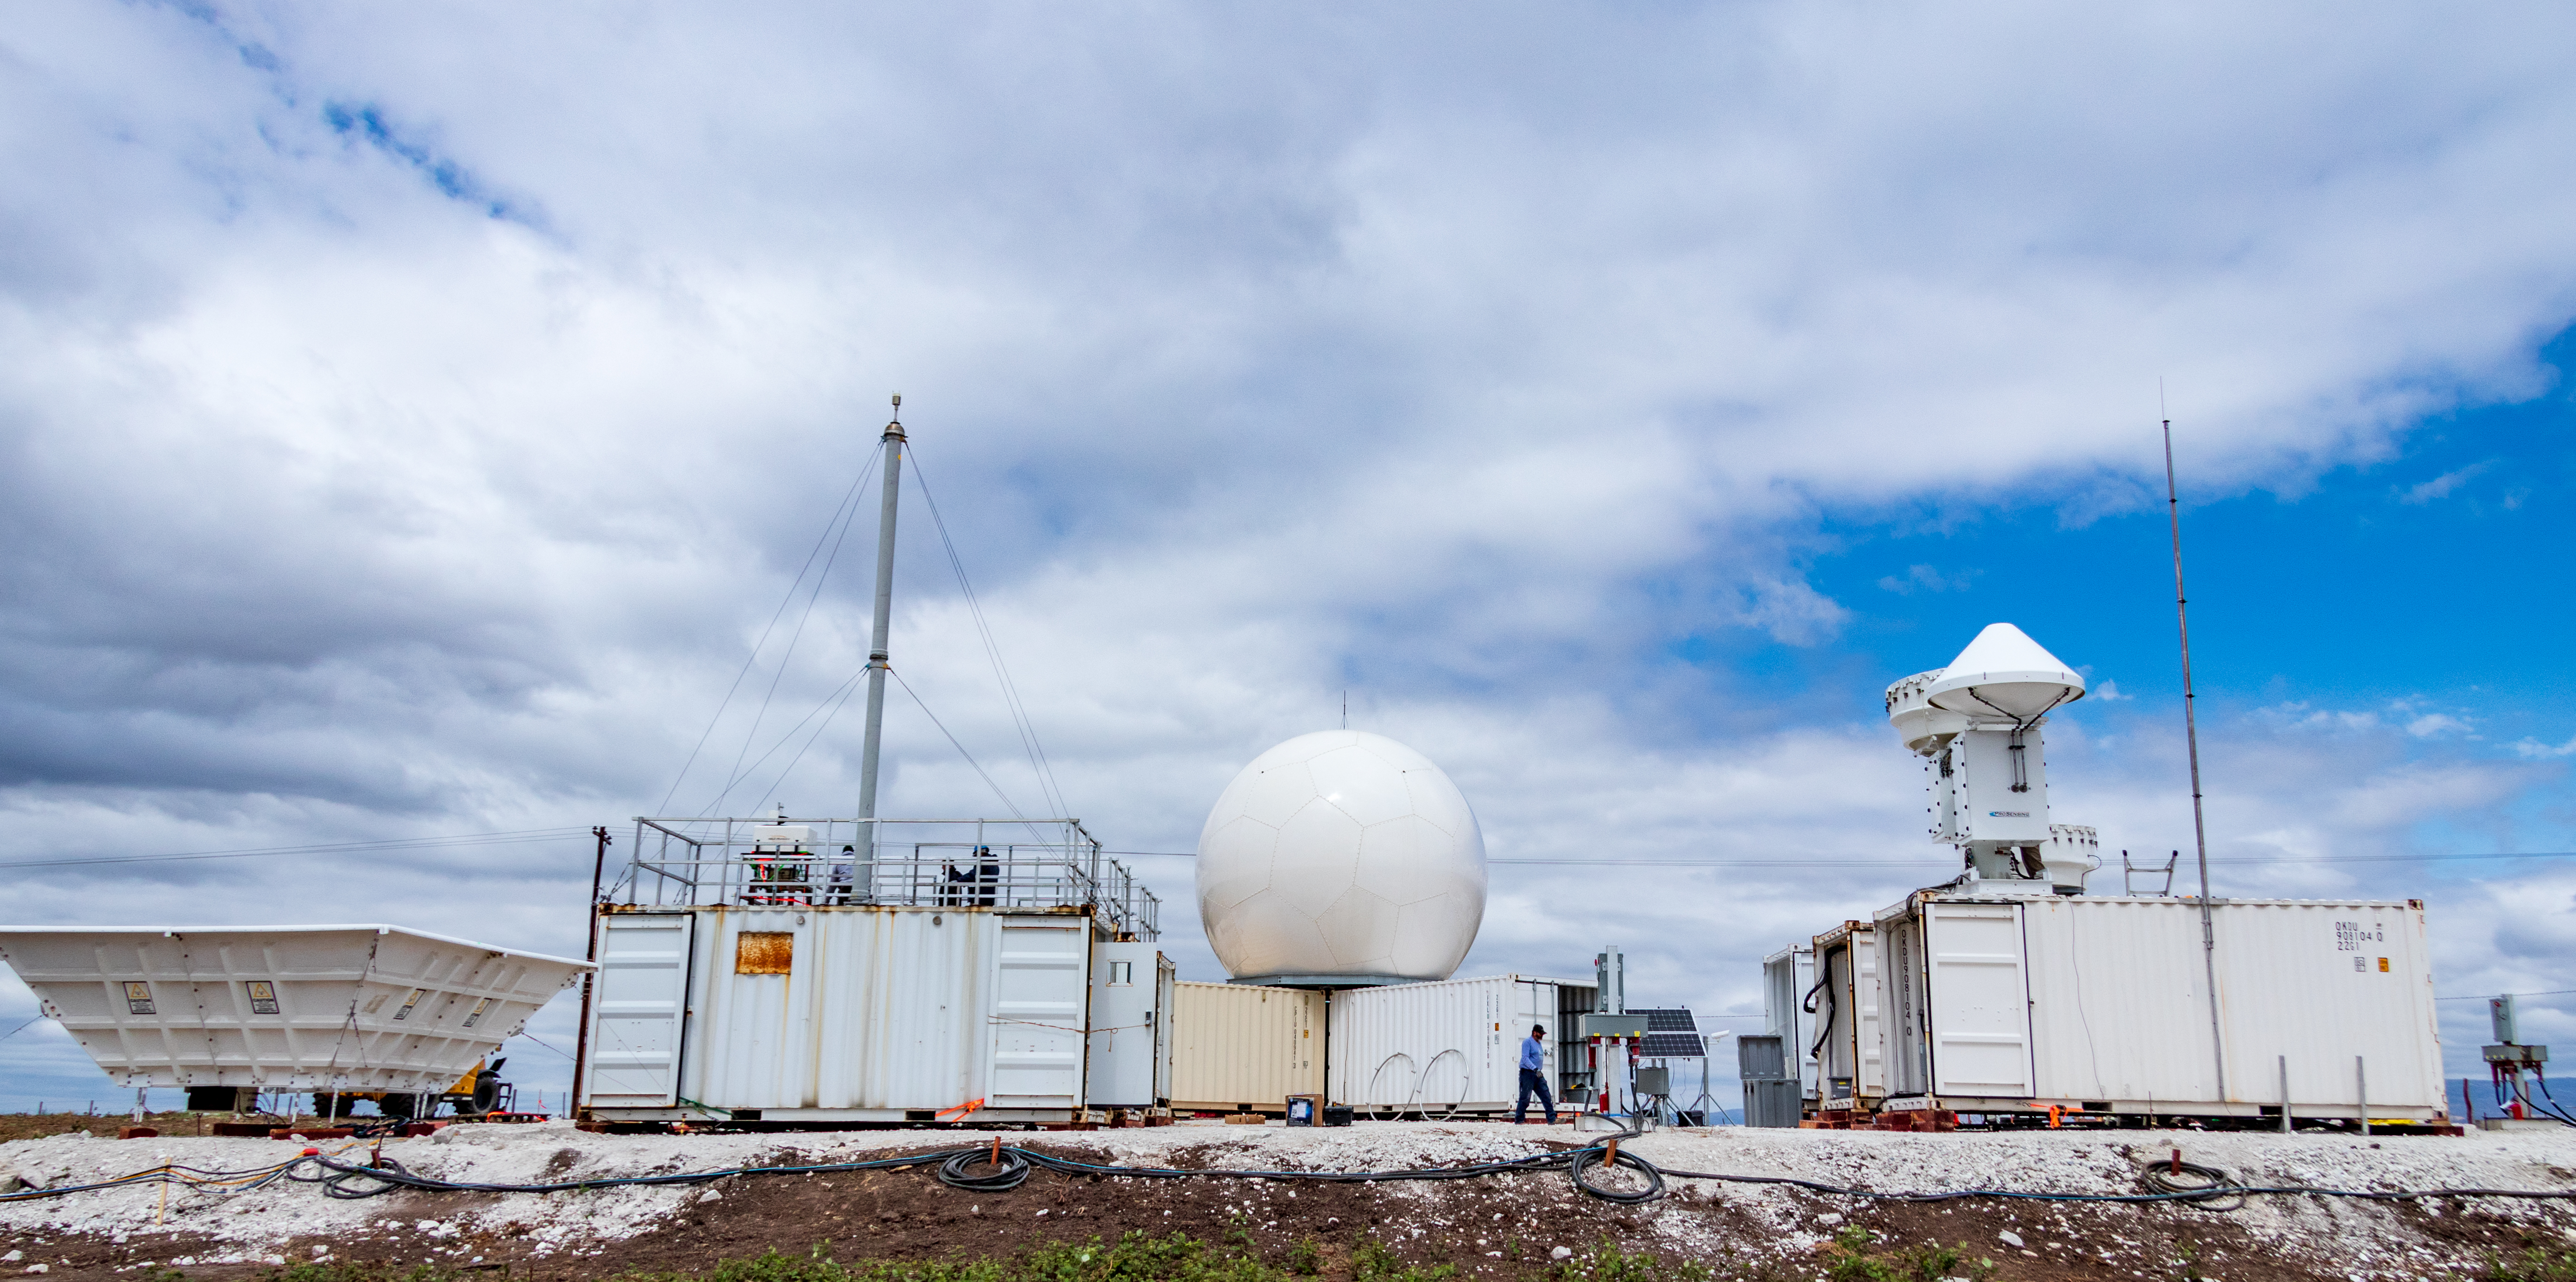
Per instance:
{"type": "Point", "coordinates": [1610, 1262]}
{"type": "Point", "coordinates": [1855, 1255]}
{"type": "Point", "coordinates": [2532, 1264]}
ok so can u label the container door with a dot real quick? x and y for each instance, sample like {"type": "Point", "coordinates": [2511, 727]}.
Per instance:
{"type": "Point", "coordinates": [1040, 992]}
{"type": "Point", "coordinates": [1166, 983]}
{"type": "Point", "coordinates": [1869, 1002]}
{"type": "Point", "coordinates": [1125, 1043]}
{"type": "Point", "coordinates": [1980, 1000]}
{"type": "Point", "coordinates": [1900, 963]}
{"type": "Point", "coordinates": [639, 1010]}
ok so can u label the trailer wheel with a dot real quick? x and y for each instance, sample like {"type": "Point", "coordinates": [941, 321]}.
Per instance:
{"type": "Point", "coordinates": [392, 1104]}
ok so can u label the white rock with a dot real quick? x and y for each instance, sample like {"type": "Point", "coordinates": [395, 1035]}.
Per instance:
{"type": "Point", "coordinates": [1560, 1253]}
{"type": "Point", "coordinates": [39, 1268]}
{"type": "Point", "coordinates": [2008, 1237]}
{"type": "Point", "coordinates": [13, 1257]}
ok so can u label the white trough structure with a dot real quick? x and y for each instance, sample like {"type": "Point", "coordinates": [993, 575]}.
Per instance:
{"type": "Point", "coordinates": [355, 1008]}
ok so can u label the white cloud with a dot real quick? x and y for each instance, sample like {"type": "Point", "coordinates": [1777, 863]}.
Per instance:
{"type": "Point", "coordinates": [1924, 578]}
{"type": "Point", "coordinates": [2441, 487]}
{"type": "Point", "coordinates": [2534, 748]}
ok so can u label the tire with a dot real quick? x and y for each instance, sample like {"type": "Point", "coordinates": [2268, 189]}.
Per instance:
{"type": "Point", "coordinates": [214, 1099]}
{"type": "Point", "coordinates": [487, 1093]}
{"type": "Point", "coordinates": [392, 1104]}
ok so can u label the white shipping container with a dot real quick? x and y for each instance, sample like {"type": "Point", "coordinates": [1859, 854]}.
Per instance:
{"type": "Point", "coordinates": [1451, 1046]}
{"type": "Point", "coordinates": [1850, 1046]}
{"type": "Point", "coordinates": [1788, 976]}
{"type": "Point", "coordinates": [283, 1007]}
{"type": "Point", "coordinates": [810, 1013]}
{"type": "Point", "coordinates": [2017, 1000]}
{"type": "Point", "coordinates": [1245, 1046]}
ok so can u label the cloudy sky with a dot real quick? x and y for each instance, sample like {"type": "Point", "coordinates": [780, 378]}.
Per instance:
{"type": "Point", "coordinates": [414, 416]}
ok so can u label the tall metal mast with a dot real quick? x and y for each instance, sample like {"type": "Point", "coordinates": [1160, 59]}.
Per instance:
{"type": "Point", "coordinates": [893, 440]}
{"type": "Point", "coordinates": [2191, 741]}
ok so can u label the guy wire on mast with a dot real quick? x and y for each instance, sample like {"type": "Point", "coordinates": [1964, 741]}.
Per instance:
{"type": "Point", "coordinates": [2191, 741]}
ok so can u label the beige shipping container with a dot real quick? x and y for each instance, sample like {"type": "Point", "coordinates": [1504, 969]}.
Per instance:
{"type": "Point", "coordinates": [1244, 1046]}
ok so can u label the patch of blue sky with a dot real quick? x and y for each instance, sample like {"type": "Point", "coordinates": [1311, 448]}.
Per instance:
{"type": "Point", "coordinates": [2431, 590]}
{"type": "Point", "coordinates": [366, 123]}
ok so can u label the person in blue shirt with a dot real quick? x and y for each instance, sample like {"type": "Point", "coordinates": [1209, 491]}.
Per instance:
{"type": "Point", "coordinates": [1534, 1075]}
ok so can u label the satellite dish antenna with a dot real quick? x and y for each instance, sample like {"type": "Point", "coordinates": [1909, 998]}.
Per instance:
{"type": "Point", "coordinates": [2004, 674]}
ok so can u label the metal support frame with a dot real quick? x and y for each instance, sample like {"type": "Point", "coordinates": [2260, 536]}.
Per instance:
{"type": "Point", "coordinates": [926, 863]}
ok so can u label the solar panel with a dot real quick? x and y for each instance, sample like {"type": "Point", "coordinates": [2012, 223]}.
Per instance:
{"type": "Point", "coordinates": [1671, 1034]}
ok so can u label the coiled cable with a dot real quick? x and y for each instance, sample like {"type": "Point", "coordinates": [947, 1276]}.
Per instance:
{"type": "Point", "coordinates": [2203, 1187]}
{"type": "Point", "coordinates": [1005, 1169]}
{"type": "Point", "coordinates": [1587, 1160]}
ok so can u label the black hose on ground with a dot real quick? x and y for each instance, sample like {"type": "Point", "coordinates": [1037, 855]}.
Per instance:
{"type": "Point", "coordinates": [1589, 1159]}
{"type": "Point", "coordinates": [1005, 1169]}
{"type": "Point", "coordinates": [2206, 1186]}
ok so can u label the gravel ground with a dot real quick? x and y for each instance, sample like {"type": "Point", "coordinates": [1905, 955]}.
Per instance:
{"type": "Point", "coordinates": [1770, 1231]}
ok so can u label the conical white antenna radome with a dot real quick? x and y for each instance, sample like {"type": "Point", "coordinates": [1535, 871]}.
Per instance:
{"type": "Point", "coordinates": [2003, 674]}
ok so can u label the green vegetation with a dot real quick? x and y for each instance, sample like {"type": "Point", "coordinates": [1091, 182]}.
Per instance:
{"type": "Point", "coordinates": [1136, 1257]}
{"type": "Point", "coordinates": [2533, 1264]}
{"type": "Point", "coordinates": [1853, 1260]}
{"type": "Point", "coordinates": [1306, 1258]}
{"type": "Point", "coordinates": [1372, 1262]}
{"type": "Point", "coordinates": [1607, 1262]}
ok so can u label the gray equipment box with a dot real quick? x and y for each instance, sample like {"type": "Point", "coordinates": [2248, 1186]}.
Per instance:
{"type": "Point", "coordinates": [1599, 1025]}
{"type": "Point", "coordinates": [1761, 1058]}
{"type": "Point", "coordinates": [1654, 1081]}
{"type": "Point", "coordinates": [1771, 1102]}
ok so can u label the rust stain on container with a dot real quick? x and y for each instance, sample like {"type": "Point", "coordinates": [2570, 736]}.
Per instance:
{"type": "Point", "coordinates": [763, 952]}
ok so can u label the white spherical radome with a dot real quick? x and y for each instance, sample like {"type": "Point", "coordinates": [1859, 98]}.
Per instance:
{"type": "Point", "coordinates": [1341, 854]}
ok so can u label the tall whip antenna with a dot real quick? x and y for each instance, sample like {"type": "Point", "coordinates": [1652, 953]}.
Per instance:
{"type": "Point", "coordinates": [2191, 741]}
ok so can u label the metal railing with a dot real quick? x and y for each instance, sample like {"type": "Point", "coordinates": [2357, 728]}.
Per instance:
{"type": "Point", "coordinates": [926, 863]}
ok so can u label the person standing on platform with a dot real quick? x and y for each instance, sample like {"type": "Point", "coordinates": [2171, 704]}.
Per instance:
{"type": "Point", "coordinates": [1534, 1075]}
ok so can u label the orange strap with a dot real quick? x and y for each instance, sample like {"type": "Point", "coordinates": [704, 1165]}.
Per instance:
{"type": "Point", "coordinates": [961, 1110]}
